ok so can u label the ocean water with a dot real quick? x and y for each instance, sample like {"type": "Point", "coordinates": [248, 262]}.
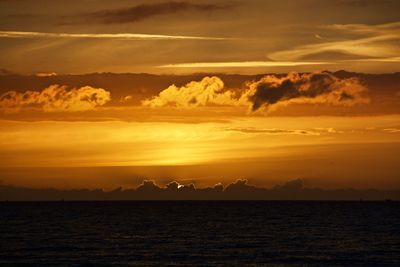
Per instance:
{"type": "Point", "coordinates": [190, 233]}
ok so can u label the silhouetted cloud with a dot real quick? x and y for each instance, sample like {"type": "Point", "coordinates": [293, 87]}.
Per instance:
{"type": "Point", "coordinates": [238, 190]}
{"type": "Point", "coordinates": [56, 98]}
{"type": "Point", "coordinates": [148, 186]}
{"type": "Point", "coordinates": [173, 186]}
{"type": "Point", "coordinates": [145, 11]}
{"type": "Point", "coordinates": [240, 186]}
{"type": "Point", "coordinates": [296, 184]}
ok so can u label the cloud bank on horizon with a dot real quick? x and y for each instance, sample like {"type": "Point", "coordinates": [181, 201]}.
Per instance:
{"type": "Point", "coordinates": [237, 190]}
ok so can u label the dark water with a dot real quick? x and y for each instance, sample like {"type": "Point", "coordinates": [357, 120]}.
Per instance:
{"type": "Point", "coordinates": [200, 233]}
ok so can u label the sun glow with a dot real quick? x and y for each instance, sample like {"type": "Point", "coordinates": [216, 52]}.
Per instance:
{"type": "Point", "coordinates": [161, 143]}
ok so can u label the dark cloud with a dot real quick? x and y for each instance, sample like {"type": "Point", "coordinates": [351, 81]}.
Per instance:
{"type": "Point", "coordinates": [145, 11]}
{"type": "Point", "coordinates": [315, 88]}
{"type": "Point", "coordinates": [5, 72]}
{"type": "Point", "coordinates": [296, 184]}
{"type": "Point", "coordinates": [363, 3]}
{"type": "Point", "coordinates": [148, 186]}
{"type": "Point", "coordinates": [238, 190]}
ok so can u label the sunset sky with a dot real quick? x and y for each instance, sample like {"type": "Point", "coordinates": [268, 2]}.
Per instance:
{"type": "Point", "coordinates": [101, 94]}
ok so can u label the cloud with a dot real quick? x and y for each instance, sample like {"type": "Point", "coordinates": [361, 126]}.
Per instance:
{"type": "Point", "coordinates": [126, 99]}
{"type": "Point", "coordinates": [210, 90]}
{"type": "Point", "coordinates": [297, 184]}
{"type": "Point", "coordinates": [237, 190]}
{"type": "Point", "coordinates": [315, 88]}
{"type": "Point", "coordinates": [56, 98]}
{"type": "Point", "coordinates": [362, 3]}
{"type": "Point", "coordinates": [333, 56]}
{"type": "Point", "coordinates": [243, 64]}
{"type": "Point", "coordinates": [45, 74]}
{"type": "Point", "coordinates": [376, 46]}
{"type": "Point", "coordinates": [316, 35]}
{"type": "Point", "coordinates": [269, 92]}
{"type": "Point", "coordinates": [5, 72]}
{"type": "Point", "coordinates": [275, 131]}
{"type": "Point", "coordinates": [378, 29]}
{"type": "Point", "coordinates": [368, 42]}
{"type": "Point", "coordinates": [173, 186]}
{"type": "Point", "coordinates": [119, 36]}
{"type": "Point", "coordinates": [392, 130]}
{"type": "Point", "coordinates": [240, 186]}
{"type": "Point", "coordinates": [148, 186]}
{"type": "Point", "coordinates": [145, 11]}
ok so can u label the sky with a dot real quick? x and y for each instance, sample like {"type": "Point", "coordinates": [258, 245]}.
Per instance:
{"type": "Point", "coordinates": [198, 36]}
{"type": "Point", "coordinates": [101, 94]}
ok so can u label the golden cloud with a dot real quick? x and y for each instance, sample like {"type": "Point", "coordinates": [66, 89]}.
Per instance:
{"type": "Point", "coordinates": [56, 98]}
{"type": "Point", "coordinates": [268, 93]}
{"type": "Point", "coordinates": [210, 90]}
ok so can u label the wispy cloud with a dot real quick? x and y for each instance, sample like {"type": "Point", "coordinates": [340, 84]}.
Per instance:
{"type": "Point", "coordinates": [392, 130]}
{"type": "Point", "coordinates": [120, 36]}
{"type": "Point", "coordinates": [380, 29]}
{"type": "Point", "coordinates": [241, 64]}
{"type": "Point", "coordinates": [370, 42]}
{"type": "Point", "coordinates": [361, 3]}
{"type": "Point", "coordinates": [367, 47]}
{"type": "Point", "coordinates": [274, 131]}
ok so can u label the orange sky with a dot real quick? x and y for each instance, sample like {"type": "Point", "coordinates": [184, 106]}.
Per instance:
{"type": "Point", "coordinates": [44, 36]}
{"type": "Point", "coordinates": [329, 151]}
{"type": "Point", "coordinates": [193, 119]}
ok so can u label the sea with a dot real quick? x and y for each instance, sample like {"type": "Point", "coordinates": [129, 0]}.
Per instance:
{"type": "Point", "coordinates": [200, 233]}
